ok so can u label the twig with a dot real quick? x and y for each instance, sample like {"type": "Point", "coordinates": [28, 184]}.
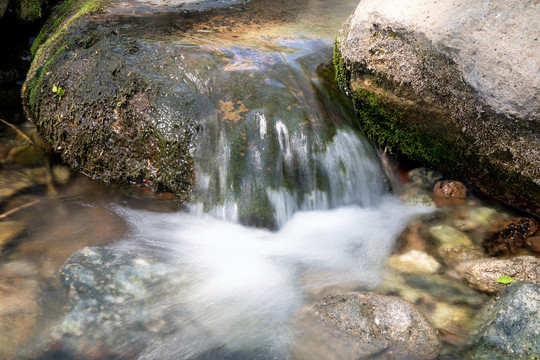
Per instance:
{"type": "Point", "coordinates": [50, 184]}
{"type": "Point", "coordinates": [18, 208]}
{"type": "Point", "coordinates": [26, 137]}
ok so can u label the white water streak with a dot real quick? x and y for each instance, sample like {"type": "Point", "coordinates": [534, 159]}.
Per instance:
{"type": "Point", "coordinates": [242, 284]}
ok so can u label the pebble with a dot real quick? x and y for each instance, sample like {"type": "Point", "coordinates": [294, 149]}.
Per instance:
{"type": "Point", "coordinates": [449, 192]}
{"type": "Point", "coordinates": [414, 262]}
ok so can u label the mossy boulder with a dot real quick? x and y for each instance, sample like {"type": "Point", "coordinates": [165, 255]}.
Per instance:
{"type": "Point", "coordinates": [26, 10]}
{"type": "Point", "coordinates": [226, 98]}
{"type": "Point", "coordinates": [451, 85]}
{"type": "Point", "coordinates": [104, 101]}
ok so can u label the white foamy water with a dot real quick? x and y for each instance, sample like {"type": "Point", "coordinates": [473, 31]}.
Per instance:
{"type": "Point", "coordinates": [241, 285]}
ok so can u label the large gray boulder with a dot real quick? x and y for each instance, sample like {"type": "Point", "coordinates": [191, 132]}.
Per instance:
{"type": "Point", "coordinates": [510, 325]}
{"type": "Point", "coordinates": [453, 84]}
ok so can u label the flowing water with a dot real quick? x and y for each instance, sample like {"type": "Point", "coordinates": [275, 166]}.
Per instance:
{"type": "Point", "coordinates": [291, 204]}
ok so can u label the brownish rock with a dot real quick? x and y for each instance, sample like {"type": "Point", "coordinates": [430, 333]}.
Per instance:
{"type": "Point", "coordinates": [533, 243]}
{"type": "Point", "coordinates": [509, 236]}
{"type": "Point", "coordinates": [9, 230]}
{"type": "Point", "coordinates": [449, 192]}
{"type": "Point", "coordinates": [483, 274]}
{"type": "Point", "coordinates": [19, 287]}
{"type": "Point", "coordinates": [412, 238]}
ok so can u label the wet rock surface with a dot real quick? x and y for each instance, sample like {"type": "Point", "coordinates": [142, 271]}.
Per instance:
{"type": "Point", "coordinates": [424, 177]}
{"type": "Point", "coordinates": [453, 245]}
{"type": "Point", "coordinates": [510, 326]}
{"type": "Point", "coordinates": [449, 192]}
{"type": "Point", "coordinates": [111, 303]}
{"type": "Point", "coordinates": [483, 274]}
{"type": "Point", "coordinates": [510, 236]}
{"type": "Point", "coordinates": [414, 261]}
{"type": "Point", "coordinates": [364, 325]}
{"type": "Point", "coordinates": [438, 87]}
{"type": "Point", "coordinates": [448, 305]}
{"type": "Point", "coordinates": [174, 81]}
{"type": "Point", "coordinates": [533, 243]}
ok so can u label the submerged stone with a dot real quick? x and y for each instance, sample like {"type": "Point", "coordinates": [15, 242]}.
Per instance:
{"type": "Point", "coordinates": [111, 297]}
{"type": "Point", "coordinates": [9, 230]}
{"type": "Point", "coordinates": [364, 325]}
{"type": "Point", "coordinates": [510, 235]}
{"type": "Point", "coordinates": [534, 243]}
{"type": "Point", "coordinates": [425, 178]}
{"type": "Point", "coordinates": [11, 182]}
{"type": "Point", "coordinates": [414, 261]}
{"type": "Point", "coordinates": [448, 305]}
{"type": "Point", "coordinates": [476, 218]}
{"type": "Point", "coordinates": [60, 174]}
{"type": "Point", "coordinates": [419, 199]}
{"type": "Point", "coordinates": [453, 245]}
{"type": "Point", "coordinates": [27, 155]}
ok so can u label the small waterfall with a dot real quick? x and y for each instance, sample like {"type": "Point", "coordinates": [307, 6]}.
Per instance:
{"type": "Point", "coordinates": [241, 285]}
{"type": "Point", "coordinates": [284, 147]}
{"type": "Point", "coordinates": [276, 152]}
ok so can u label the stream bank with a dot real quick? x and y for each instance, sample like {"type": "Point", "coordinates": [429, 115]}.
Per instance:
{"type": "Point", "coordinates": [178, 282]}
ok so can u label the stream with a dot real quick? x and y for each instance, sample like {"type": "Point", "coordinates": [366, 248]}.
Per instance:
{"type": "Point", "coordinates": [292, 204]}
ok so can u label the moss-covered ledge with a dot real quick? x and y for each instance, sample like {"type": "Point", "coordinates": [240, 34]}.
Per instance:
{"type": "Point", "coordinates": [423, 131]}
{"type": "Point", "coordinates": [95, 103]}
{"type": "Point", "coordinates": [392, 123]}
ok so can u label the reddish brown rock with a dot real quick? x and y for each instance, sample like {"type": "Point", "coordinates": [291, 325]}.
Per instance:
{"type": "Point", "coordinates": [509, 236]}
{"type": "Point", "coordinates": [449, 192]}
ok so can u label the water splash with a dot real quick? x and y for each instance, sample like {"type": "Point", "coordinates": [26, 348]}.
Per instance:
{"type": "Point", "coordinates": [240, 285]}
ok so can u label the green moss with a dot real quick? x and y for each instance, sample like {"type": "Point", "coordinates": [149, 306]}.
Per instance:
{"type": "Point", "coordinates": [63, 16]}
{"type": "Point", "coordinates": [343, 75]}
{"type": "Point", "coordinates": [30, 10]}
{"type": "Point", "coordinates": [258, 212]}
{"type": "Point", "coordinates": [393, 127]}
{"type": "Point", "coordinates": [387, 128]}
{"type": "Point", "coordinates": [35, 84]}
{"type": "Point", "coordinates": [239, 165]}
